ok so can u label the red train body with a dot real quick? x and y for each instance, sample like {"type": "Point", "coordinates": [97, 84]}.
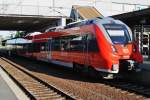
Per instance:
{"type": "Point", "coordinates": [103, 45]}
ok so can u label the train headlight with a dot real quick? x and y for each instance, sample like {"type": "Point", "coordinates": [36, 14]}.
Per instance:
{"type": "Point", "coordinates": [115, 67]}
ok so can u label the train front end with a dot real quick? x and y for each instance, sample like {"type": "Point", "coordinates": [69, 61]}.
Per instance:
{"type": "Point", "coordinates": [117, 48]}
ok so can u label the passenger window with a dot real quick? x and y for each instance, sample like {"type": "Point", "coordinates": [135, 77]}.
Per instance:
{"type": "Point", "coordinates": [76, 43]}
{"type": "Point", "coordinates": [43, 46]}
{"type": "Point", "coordinates": [36, 47]}
{"type": "Point", "coordinates": [25, 47]}
{"type": "Point", "coordinates": [92, 43]}
{"type": "Point", "coordinates": [56, 44]}
{"type": "Point", "coordinates": [30, 48]}
{"type": "Point", "coordinates": [65, 44]}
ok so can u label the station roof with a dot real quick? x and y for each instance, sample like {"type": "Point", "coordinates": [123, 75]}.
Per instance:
{"type": "Point", "coordinates": [87, 12]}
{"type": "Point", "coordinates": [26, 22]}
{"type": "Point", "coordinates": [84, 12]}
{"type": "Point", "coordinates": [135, 17]}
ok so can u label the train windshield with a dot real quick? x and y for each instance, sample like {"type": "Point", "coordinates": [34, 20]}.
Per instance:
{"type": "Point", "coordinates": [118, 33]}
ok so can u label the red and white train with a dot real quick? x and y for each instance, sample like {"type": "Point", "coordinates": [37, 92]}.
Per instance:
{"type": "Point", "coordinates": [104, 46]}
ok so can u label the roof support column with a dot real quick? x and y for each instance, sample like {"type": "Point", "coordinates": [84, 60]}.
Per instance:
{"type": "Point", "coordinates": [62, 22]}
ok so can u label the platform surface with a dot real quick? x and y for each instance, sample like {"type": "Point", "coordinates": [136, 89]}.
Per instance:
{"type": "Point", "coordinates": [5, 92]}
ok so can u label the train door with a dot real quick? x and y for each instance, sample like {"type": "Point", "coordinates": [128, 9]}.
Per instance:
{"type": "Point", "coordinates": [85, 49]}
{"type": "Point", "coordinates": [64, 48]}
{"type": "Point", "coordinates": [48, 49]}
{"type": "Point", "coordinates": [90, 47]}
{"type": "Point", "coordinates": [77, 48]}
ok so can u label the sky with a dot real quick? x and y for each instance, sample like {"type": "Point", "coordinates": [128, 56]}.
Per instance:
{"type": "Point", "coordinates": [44, 7]}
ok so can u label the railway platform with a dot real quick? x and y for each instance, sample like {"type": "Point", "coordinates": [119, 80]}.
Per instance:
{"type": "Point", "coordinates": [9, 90]}
{"type": "Point", "coordinates": [5, 92]}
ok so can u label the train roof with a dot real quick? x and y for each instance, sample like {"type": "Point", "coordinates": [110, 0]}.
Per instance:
{"type": "Point", "coordinates": [33, 33]}
{"type": "Point", "coordinates": [18, 41]}
{"type": "Point", "coordinates": [35, 36]}
{"type": "Point", "coordinates": [54, 31]}
{"type": "Point", "coordinates": [86, 22]}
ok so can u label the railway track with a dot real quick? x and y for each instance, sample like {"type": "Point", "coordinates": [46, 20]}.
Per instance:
{"type": "Point", "coordinates": [130, 87]}
{"type": "Point", "coordinates": [34, 87]}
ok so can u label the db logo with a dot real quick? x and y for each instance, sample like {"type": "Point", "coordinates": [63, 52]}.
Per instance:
{"type": "Point", "coordinates": [125, 50]}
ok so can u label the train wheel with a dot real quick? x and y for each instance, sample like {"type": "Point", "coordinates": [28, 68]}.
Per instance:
{"type": "Point", "coordinates": [92, 72]}
{"type": "Point", "coordinates": [84, 70]}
